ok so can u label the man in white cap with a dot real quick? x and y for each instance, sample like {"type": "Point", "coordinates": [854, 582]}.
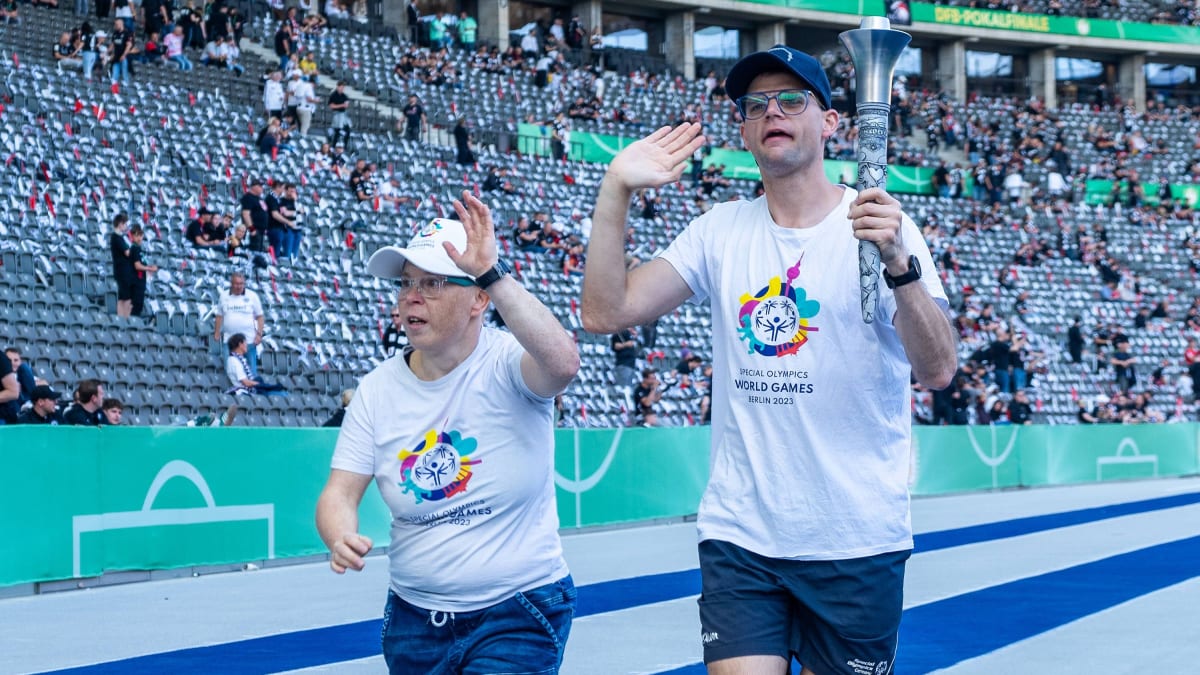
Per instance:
{"type": "Point", "coordinates": [458, 432]}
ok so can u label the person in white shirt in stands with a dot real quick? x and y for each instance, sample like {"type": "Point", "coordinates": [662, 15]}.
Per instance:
{"type": "Point", "coordinates": [305, 100]}
{"type": "Point", "coordinates": [478, 583]}
{"type": "Point", "coordinates": [239, 311]}
{"type": "Point", "coordinates": [273, 95]}
{"type": "Point", "coordinates": [214, 53]}
{"type": "Point", "coordinates": [232, 54]}
{"type": "Point", "coordinates": [529, 45]}
{"type": "Point", "coordinates": [245, 379]}
{"type": "Point", "coordinates": [335, 10]}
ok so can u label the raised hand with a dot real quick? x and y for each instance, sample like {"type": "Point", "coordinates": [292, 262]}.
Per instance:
{"type": "Point", "coordinates": [481, 252]}
{"type": "Point", "coordinates": [657, 159]}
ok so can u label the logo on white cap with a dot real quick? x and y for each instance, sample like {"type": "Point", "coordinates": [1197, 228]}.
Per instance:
{"type": "Point", "coordinates": [425, 237]}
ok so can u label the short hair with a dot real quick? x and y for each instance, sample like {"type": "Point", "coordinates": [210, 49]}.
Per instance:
{"type": "Point", "coordinates": [88, 389]}
{"type": "Point", "coordinates": [136, 230]}
{"type": "Point", "coordinates": [110, 403]}
{"type": "Point", "coordinates": [119, 220]}
{"type": "Point", "coordinates": [347, 395]}
{"type": "Point", "coordinates": [647, 372]}
{"type": "Point", "coordinates": [12, 350]}
{"type": "Point", "coordinates": [236, 340]}
{"type": "Point", "coordinates": [237, 275]}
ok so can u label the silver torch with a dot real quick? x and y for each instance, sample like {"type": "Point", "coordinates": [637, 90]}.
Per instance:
{"type": "Point", "coordinates": [874, 48]}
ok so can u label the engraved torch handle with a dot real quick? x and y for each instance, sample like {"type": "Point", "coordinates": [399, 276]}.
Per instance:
{"type": "Point", "coordinates": [872, 172]}
{"type": "Point", "coordinates": [874, 48]}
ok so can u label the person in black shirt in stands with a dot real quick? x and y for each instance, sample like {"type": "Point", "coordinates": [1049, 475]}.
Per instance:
{"type": "Point", "coordinates": [646, 396]}
{"type": "Point", "coordinates": [44, 410]}
{"type": "Point", "coordinates": [414, 119]}
{"type": "Point", "coordinates": [85, 411]}
{"type": "Point", "coordinates": [201, 231]}
{"type": "Point", "coordinates": [122, 264]}
{"type": "Point", "coordinates": [277, 220]}
{"type": "Point", "coordinates": [688, 364]}
{"type": "Point", "coordinates": [141, 271]}
{"type": "Point", "coordinates": [394, 339]}
{"type": "Point", "coordinates": [626, 352]}
{"type": "Point", "coordinates": [1075, 341]}
{"type": "Point", "coordinates": [10, 392]}
{"type": "Point", "coordinates": [1019, 410]}
{"type": "Point", "coordinates": [255, 215]}
{"type": "Point", "coordinates": [339, 105]}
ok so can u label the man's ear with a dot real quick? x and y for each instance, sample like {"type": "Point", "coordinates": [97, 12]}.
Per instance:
{"type": "Point", "coordinates": [481, 302]}
{"type": "Point", "coordinates": [830, 119]}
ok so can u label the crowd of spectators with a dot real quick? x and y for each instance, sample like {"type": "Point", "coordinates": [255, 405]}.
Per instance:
{"type": "Point", "coordinates": [150, 32]}
{"type": "Point", "coordinates": [1000, 377]}
{"type": "Point", "coordinates": [27, 399]}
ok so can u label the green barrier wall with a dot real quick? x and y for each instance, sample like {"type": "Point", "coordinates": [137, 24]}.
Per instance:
{"type": "Point", "coordinates": [1101, 192]}
{"type": "Point", "coordinates": [79, 502]}
{"type": "Point", "coordinates": [924, 12]}
{"type": "Point", "coordinates": [1054, 25]}
{"type": "Point", "coordinates": [601, 148]}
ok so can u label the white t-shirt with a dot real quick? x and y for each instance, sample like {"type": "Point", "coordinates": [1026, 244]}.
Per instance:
{"type": "Point", "coordinates": [238, 314]}
{"type": "Point", "coordinates": [237, 371]}
{"type": "Point", "coordinates": [273, 95]}
{"type": "Point", "coordinates": [465, 464]}
{"type": "Point", "coordinates": [1014, 183]}
{"type": "Point", "coordinates": [810, 414]}
{"type": "Point", "coordinates": [302, 91]}
{"type": "Point", "coordinates": [1055, 183]}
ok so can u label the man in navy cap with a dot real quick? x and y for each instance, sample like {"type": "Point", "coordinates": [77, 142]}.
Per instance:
{"type": "Point", "coordinates": [804, 526]}
{"type": "Point", "coordinates": [43, 407]}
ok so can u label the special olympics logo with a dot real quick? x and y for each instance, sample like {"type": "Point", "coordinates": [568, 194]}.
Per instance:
{"type": "Point", "coordinates": [434, 469]}
{"type": "Point", "coordinates": [439, 467]}
{"type": "Point", "coordinates": [881, 668]}
{"type": "Point", "coordinates": [774, 321]}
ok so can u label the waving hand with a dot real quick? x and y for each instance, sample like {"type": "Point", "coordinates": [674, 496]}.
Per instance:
{"type": "Point", "coordinates": [657, 159]}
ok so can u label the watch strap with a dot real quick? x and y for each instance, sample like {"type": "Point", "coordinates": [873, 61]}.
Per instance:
{"type": "Point", "coordinates": [491, 276]}
{"type": "Point", "coordinates": [913, 274]}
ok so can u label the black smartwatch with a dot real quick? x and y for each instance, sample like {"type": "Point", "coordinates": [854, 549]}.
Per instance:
{"type": "Point", "coordinates": [913, 273]}
{"type": "Point", "coordinates": [500, 269]}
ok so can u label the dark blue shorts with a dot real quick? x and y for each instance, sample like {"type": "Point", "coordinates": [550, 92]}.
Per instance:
{"type": "Point", "coordinates": [837, 617]}
{"type": "Point", "coordinates": [523, 635]}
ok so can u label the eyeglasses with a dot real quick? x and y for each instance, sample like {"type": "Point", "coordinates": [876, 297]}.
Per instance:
{"type": "Point", "coordinates": [791, 102]}
{"type": "Point", "coordinates": [430, 287]}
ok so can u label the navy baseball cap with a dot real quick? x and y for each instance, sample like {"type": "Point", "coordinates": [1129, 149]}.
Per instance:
{"type": "Point", "coordinates": [779, 58]}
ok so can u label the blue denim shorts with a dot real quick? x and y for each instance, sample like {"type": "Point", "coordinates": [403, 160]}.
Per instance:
{"type": "Point", "coordinates": [526, 635]}
{"type": "Point", "coordinates": [835, 616]}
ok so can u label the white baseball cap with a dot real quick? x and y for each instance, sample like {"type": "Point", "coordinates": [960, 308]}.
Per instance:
{"type": "Point", "coordinates": [424, 250]}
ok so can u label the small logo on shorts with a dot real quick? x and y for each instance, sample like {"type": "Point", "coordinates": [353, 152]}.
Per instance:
{"type": "Point", "coordinates": [865, 667]}
{"type": "Point", "coordinates": [709, 638]}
